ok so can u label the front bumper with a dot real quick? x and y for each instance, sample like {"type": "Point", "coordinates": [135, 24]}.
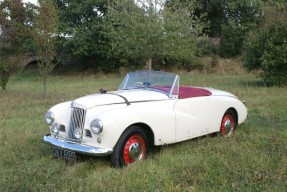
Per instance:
{"type": "Point", "coordinates": [77, 147]}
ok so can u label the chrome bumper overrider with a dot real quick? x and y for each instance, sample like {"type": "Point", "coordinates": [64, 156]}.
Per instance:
{"type": "Point", "coordinates": [77, 147]}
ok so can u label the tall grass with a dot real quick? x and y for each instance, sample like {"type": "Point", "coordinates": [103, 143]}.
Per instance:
{"type": "Point", "coordinates": [254, 159]}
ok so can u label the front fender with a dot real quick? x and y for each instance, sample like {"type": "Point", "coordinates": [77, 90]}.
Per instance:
{"type": "Point", "coordinates": [159, 116]}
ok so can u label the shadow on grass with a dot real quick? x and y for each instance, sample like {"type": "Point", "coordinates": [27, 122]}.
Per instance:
{"type": "Point", "coordinates": [104, 161]}
{"type": "Point", "coordinates": [154, 150]}
{"type": "Point", "coordinates": [91, 160]}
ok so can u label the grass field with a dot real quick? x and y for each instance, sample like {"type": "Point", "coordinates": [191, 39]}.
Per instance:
{"type": "Point", "coordinates": [254, 159]}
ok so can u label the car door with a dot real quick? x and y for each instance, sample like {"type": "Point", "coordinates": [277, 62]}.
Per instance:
{"type": "Point", "coordinates": [192, 116]}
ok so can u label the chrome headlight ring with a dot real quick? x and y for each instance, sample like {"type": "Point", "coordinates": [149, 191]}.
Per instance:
{"type": "Point", "coordinates": [96, 126]}
{"type": "Point", "coordinates": [49, 117]}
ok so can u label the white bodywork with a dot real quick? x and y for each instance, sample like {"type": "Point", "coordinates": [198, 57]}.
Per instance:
{"type": "Point", "coordinates": [169, 118]}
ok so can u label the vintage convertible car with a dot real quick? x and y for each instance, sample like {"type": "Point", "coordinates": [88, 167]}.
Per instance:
{"type": "Point", "coordinates": [149, 108]}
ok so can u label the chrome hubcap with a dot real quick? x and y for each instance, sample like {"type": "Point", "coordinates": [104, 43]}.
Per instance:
{"type": "Point", "coordinates": [135, 151]}
{"type": "Point", "coordinates": [228, 125]}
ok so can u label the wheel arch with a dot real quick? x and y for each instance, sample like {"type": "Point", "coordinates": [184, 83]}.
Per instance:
{"type": "Point", "coordinates": [148, 130]}
{"type": "Point", "coordinates": [235, 112]}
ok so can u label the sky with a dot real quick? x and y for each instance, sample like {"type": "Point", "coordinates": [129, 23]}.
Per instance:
{"type": "Point", "coordinates": [31, 1]}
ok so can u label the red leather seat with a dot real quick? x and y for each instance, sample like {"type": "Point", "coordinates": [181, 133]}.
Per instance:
{"type": "Point", "coordinates": [187, 92]}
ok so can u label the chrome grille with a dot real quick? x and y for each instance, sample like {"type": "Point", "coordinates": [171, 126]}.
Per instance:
{"type": "Point", "coordinates": [77, 120]}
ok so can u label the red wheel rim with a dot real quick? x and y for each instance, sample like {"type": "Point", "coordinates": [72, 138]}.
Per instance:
{"type": "Point", "coordinates": [135, 149]}
{"type": "Point", "coordinates": [227, 125]}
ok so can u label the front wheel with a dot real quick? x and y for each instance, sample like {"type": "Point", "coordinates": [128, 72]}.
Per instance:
{"type": "Point", "coordinates": [228, 123]}
{"type": "Point", "coordinates": [131, 147]}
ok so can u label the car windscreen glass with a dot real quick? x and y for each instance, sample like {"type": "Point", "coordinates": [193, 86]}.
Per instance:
{"type": "Point", "coordinates": [153, 80]}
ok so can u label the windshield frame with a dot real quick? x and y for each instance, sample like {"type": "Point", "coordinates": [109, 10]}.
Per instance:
{"type": "Point", "coordinates": [163, 82]}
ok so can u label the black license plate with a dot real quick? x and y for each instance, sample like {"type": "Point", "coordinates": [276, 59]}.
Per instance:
{"type": "Point", "coordinates": [65, 154]}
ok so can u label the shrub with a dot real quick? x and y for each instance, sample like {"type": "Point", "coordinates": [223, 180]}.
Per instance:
{"type": "Point", "coordinates": [231, 41]}
{"type": "Point", "coordinates": [268, 53]}
{"type": "Point", "coordinates": [5, 73]}
{"type": "Point", "coordinates": [205, 46]}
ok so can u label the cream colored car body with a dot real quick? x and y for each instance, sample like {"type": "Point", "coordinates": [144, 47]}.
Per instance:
{"type": "Point", "coordinates": [171, 119]}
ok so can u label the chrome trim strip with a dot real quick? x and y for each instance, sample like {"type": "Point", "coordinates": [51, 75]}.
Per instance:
{"type": "Point", "coordinates": [173, 85]}
{"type": "Point", "coordinates": [126, 101]}
{"type": "Point", "coordinates": [131, 102]}
{"type": "Point", "coordinates": [127, 80]}
{"type": "Point", "coordinates": [76, 147]}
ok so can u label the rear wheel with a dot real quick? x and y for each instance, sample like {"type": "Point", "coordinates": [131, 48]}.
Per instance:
{"type": "Point", "coordinates": [131, 147]}
{"type": "Point", "coordinates": [228, 123]}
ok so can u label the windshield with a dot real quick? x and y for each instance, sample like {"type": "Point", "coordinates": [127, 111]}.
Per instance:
{"type": "Point", "coordinates": [164, 82]}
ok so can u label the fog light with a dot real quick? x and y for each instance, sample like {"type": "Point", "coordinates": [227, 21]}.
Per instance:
{"type": "Point", "coordinates": [54, 128]}
{"type": "Point", "coordinates": [78, 133]}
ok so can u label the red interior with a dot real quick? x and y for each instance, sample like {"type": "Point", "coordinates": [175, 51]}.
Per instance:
{"type": "Point", "coordinates": [187, 92]}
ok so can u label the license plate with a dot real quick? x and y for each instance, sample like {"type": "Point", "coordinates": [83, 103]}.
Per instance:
{"type": "Point", "coordinates": [64, 154]}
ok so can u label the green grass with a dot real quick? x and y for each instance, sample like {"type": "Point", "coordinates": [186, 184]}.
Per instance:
{"type": "Point", "coordinates": [254, 159]}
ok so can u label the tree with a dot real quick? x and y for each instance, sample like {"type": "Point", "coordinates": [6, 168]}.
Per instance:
{"type": "Point", "coordinates": [280, 4]}
{"type": "Point", "coordinates": [44, 35]}
{"type": "Point", "coordinates": [82, 23]}
{"type": "Point", "coordinates": [13, 33]}
{"type": "Point", "coordinates": [268, 53]}
{"type": "Point", "coordinates": [232, 40]}
{"type": "Point", "coordinates": [149, 30]}
{"type": "Point", "coordinates": [220, 13]}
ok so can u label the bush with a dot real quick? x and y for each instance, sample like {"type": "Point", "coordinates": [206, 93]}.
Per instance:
{"type": "Point", "coordinates": [268, 53]}
{"type": "Point", "coordinates": [5, 73]}
{"type": "Point", "coordinates": [205, 46]}
{"type": "Point", "coordinates": [231, 41]}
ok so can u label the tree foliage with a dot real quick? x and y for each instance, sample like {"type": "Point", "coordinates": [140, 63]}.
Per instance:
{"type": "Point", "coordinates": [228, 20]}
{"type": "Point", "coordinates": [279, 4]}
{"type": "Point", "coordinates": [13, 33]}
{"type": "Point", "coordinates": [268, 53]}
{"type": "Point", "coordinates": [219, 13]}
{"type": "Point", "coordinates": [82, 21]}
{"type": "Point", "coordinates": [145, 30]}
{"type": "Point", "coordinates": [81, 27]}
{"type": "Point", "coordinates": [44, 35]}
{"type": "Point", "coordinates": [232, 40]}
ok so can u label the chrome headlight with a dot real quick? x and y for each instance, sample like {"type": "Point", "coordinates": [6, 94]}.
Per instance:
{"type": "Point", "coordinates": [78, 133]}
{"type": "Point", "coordinates": [54, 128]}
{"type": "Point", "coordinates": [96, 126]}
{"type": "Point", "coordinates": [49, 118]}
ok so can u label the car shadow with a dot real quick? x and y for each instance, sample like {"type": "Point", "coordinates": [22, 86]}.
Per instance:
{"type": "Point", "coordinates": [105, 160]}
{"type": "Point", "coordinates": [157, 149]}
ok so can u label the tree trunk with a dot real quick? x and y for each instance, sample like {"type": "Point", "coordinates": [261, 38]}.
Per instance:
{"type": "Point", "coordinates": [4, 80]}
{"type": "Point", "coordinates": [45, 87]}
{"type": "Point", "coordinates": [149, 64]}
{"type": "Point", "coordinates": [4, 90]}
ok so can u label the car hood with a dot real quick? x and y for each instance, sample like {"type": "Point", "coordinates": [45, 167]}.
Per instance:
{"type": "Point", "coordinates": [118, 97]}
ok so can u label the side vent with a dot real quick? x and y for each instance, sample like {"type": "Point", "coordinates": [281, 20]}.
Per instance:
{"type": "Point", "coordinates": [62, 128]}
{"type": "Point", "coordinates": [88, 133]}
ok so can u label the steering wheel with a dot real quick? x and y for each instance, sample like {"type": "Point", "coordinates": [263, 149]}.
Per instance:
{"type": "Point", "coordinates": [139, 84]}
{"type": "Point", "coordinates": [142, 84]}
